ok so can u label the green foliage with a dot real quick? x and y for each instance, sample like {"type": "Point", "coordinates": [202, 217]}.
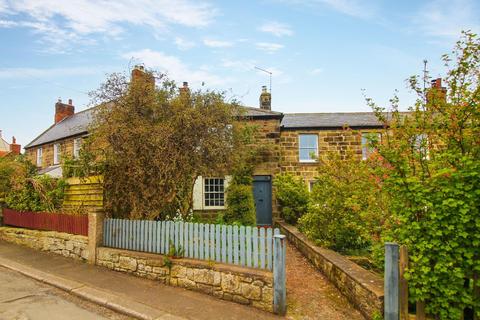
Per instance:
{"type": "Point", "coordinates": [22, 190]}
{"type": "Point", "coordinates": [292, 195]}
{"type": "Point", "coordinates": [240, 201]}
{"type": "Point", "coordinates": [434, 183]}
{"type": "Point", "coordinates": [174, 252]}
{"type": "Point", "coordinates": [84, 166]}
{"type": "Point", "coordinates": [347, 209]}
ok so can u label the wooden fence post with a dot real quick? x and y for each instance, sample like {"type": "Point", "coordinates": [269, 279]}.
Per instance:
{"type": "Point", "coordinates": [421, 311]}
{"type": "Point", "coordinates": [95, 234]}
{"type": "Point", "coordinates": [391, 302]}
{"type": "Point", "coordinates": [279, 275]}
{"type": "Point", "coordinates": [403, 283]}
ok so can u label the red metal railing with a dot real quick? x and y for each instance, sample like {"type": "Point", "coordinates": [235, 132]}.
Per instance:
{"type": "Point", "coordinates": [74, 224]}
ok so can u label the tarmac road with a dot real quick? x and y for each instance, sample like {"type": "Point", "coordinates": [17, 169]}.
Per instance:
{"type": "Point", "coordinates": [22, 298]}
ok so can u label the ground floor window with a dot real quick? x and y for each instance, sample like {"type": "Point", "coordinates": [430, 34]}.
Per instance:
{"type": "Point", "coordinates": [214, 192]}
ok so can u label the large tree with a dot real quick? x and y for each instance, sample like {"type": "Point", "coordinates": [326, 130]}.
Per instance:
{"type": "Point", "coordinates": [154, 140]}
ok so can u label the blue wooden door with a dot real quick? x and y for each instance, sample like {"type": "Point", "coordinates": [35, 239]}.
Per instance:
{"type": "Point", "coordinates": [262, 193]}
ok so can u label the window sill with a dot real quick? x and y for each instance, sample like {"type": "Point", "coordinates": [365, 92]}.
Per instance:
{"type": "Point", "coordinates": [214, 208]}
{"type": "Point", "coordinates": [308, 162]}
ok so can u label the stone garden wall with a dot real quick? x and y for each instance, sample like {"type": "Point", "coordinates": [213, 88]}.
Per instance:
{"type": "Point", "coordinates": [242, 285]}
{"type": "Point", "coordinates": [363, 288]}
{"type": "Point", "coordinates": [65, 244]}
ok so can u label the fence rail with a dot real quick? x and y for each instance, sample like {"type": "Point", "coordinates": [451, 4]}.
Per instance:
{"type": "Point", "coordinates": [244, 246]}
{"type": "Point", "coordinates": [73, 224]}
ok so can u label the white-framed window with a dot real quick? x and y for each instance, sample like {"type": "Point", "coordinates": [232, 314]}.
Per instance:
{"type": "Point", "coordinates": [367, 149]}
{"type": "Point", "coordinates": [307, 147]}
{"type": "Point", "coordinates": [56, 153]}
{"type": "Point", "coordinates": [214, 192]}
{"type": "Point", "coordinates": [77, 144]}
{"type": "Point", "coordinates": [39, 156]}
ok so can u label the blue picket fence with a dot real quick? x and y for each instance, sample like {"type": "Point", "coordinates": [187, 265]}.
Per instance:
{"type": "Point", "coordinates": [239, 245]}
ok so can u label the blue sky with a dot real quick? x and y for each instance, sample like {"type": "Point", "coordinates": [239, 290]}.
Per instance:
{"type": "Point", "coordinates": [322, 52]}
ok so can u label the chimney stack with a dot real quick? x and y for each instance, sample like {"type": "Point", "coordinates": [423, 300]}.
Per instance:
{"type": "Point", "coordinates": [139, 73]}
{"type": "Point", "coordinates": [63, 110]}
{"type": "Point", "coordinates": [14, 147]}
{"type": "Point", "coordinates": [184, 89]}
{"type": "Point", "coordinates": [265, 99]}
{"type": "Point", "coordinates": [436, 93]}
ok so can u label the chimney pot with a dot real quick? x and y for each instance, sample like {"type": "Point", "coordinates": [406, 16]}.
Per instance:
{"type": "Point", "coordinates": [14, 141]}
{"type": "Point", "coordinates": [185, 84]}
{"type": "Point", "coordinates": [70, 102]}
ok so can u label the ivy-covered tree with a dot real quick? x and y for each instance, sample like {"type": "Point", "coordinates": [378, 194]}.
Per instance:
{"type": "Point", "coordinates": [433, 154]}
{"type": "Point", "coordinates": [155, 140]}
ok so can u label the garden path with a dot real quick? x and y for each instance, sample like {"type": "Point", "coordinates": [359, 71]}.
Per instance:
{"type": "Point", "coordinates": [310, 295]}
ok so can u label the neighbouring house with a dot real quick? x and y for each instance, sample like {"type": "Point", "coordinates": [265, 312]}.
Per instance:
{"type": "Point", "coordinates": [8, 148]}
{"type": "Point", "coordinates": [298, 139]}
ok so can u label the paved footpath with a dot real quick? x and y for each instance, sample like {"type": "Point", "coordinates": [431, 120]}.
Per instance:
{"type": "Point", "coordinates": [138, 297]}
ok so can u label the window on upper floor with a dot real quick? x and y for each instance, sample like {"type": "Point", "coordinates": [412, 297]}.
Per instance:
{"type": "Point", "coordinates": [39, 156]}
{"type": "Point", "coordinates": [214, 192]}
{"type": "Point", "coordinates": [77, 144]}
{"type": "Point", "coordinates": [308, 147]}
{"type": "Point", "coordinates": [367, 139]}
{"type": "Point", "coordinates": [56, 153]}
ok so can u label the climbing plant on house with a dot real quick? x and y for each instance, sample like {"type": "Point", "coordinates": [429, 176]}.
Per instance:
{"type": "Point", "coordinates": [434, 184]}
{"type": "Point", "coordinates": [155, 140]}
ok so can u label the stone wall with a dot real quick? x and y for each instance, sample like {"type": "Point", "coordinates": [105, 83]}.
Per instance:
{"type": "Point", "coordinates": [65, 244]}
{"type": "Point", "coordinates": [362, 288]}
{"type": "Point", "coordinates": [242, 285]}
{"type": "Point", "coordinates": [338, 140]}
{"type": "Point", "coordinates": [66, 150]}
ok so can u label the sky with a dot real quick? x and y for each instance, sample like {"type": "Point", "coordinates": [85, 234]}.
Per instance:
{"type": "Point", "coordinates": [323, 54]}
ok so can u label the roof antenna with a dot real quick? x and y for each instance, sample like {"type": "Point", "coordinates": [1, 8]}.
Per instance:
{"type": "Point", "coordinates": [270, 73]}
{"type": "Point", "coordinates": [425, 75]}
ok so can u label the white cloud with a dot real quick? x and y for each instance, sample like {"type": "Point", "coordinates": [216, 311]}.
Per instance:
{"type": "Point", "coordinates": [447, 19]}
{"type": "Point", "coordinates": [269, 47]}
{"type": "Point", "coordinates": [277, 29]}
{"type": "Point", "coordinates": [217, 43]}
{"type": "Point", "coordinates": [238, 65]}
{"type": "Point", "coordinates": [175, 68]}
{"type": "Point", "coordinates": [316, 71]}
{"type": "Point", "coordinates": [184, 44]}
{"type": "Point", "coordinates": [354, 8]}
{"type": "Point", "coordinates": [25, 73]}
{"type": "Point", "coordinates": [77, 19]}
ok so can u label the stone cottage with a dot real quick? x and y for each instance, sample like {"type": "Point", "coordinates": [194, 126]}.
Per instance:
{"type": "Point", "coordinates": [298, 139]}
{"type": "Point", "coordinates": [8, 148]}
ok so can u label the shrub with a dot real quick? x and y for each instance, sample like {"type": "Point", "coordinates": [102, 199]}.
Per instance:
{"type": "Point", "coordinates": [347, 208]}
{"type": "Point", "coordinates": [240, 201]}
{"type": "Point", "coordinates": [22, 190]}
{"type": "Point", "coordinates": [293, 197]}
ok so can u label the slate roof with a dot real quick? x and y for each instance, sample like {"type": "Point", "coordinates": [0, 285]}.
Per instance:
{"type": "Point", "coordinates": [74, 125]}
{"type": "Point", "coordinates": [78, 124]}
{"type": "Point", "coordinates": [257, 112]}
{"type": "Point", "coordinates": [329, 120]}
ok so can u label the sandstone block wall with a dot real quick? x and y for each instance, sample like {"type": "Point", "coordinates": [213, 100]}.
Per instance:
{"type": "Point", "coordinates": [242, 285]}
{"type": "Point", "coordinates": [337, 140]}
{"type": "Point", "coordinates": [362, 288]}
{"type": "Point", "coordinates": [65, 244]}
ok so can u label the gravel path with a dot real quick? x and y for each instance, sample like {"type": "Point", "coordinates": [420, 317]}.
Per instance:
{"type": "Point", "coordinates": [310, 295]}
